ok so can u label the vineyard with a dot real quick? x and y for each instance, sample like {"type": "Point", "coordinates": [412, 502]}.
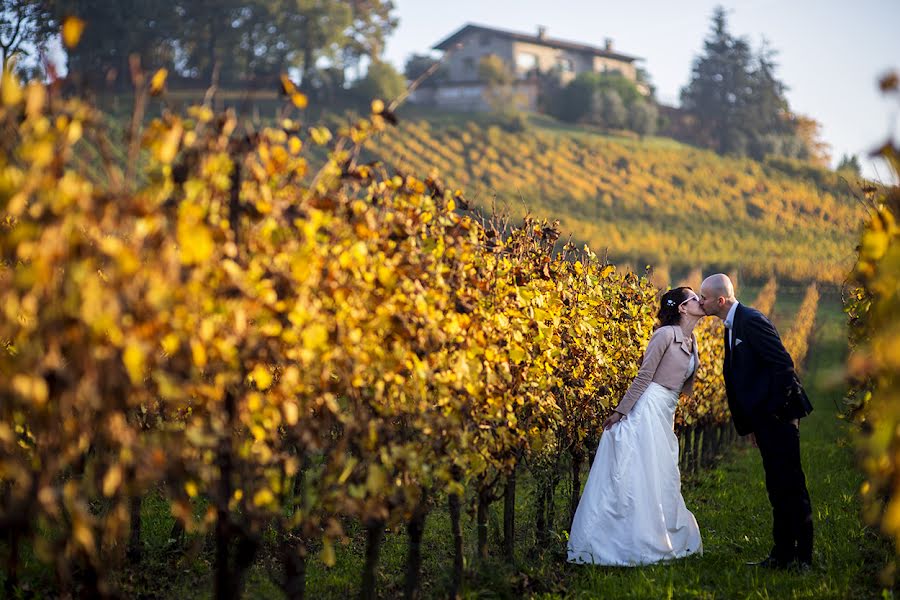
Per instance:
{"type": "Point", "coordinates": [651, 202]}
{"type": "Point", "coordinates": [872, 304]}
{"type": "Point", "coordinates": [291, 360]}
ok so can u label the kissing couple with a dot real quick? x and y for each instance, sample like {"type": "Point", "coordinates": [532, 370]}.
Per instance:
{"type": "Point", "coordinates": [632, 512]}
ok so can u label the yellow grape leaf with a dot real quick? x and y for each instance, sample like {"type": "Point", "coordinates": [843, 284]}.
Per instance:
{"type": "Point", "coordinates": [10, 89]}
{"type": "Point", "coordinates": [72, 28]}
{"type": "Point", "coordinates": [377, 107]}
{"type": "Point", "coordinates": [82, 534]}
{"type": "Point", "coordinates": [320, 135]}
{"type": "Point", "coordinates": [170, 343]}
{"type": "Point", "coordinates": [133, 357]}
{"type": "Point", "coordinates": [299, 100]}
{"type": "Point", "coordinates": [166, 147]}
{"type": "Point", "coordinates": [202, 113]}
{"type": "Point", "coordinates": [35, 99]}
{"type": "Point", "coordinates": [376, 480]}
{"type": "Point", "coordinates": [112, 480]}
{"type": "Point", "coordinates": [287, 86]}
{"type": "Point", "coordinates": [291, 412]}
{"type": "Point", "coordinates": [158, 82]}
{"type": "Point", "coordinates": [33, 388]}
{"type": "Point", "coordinates": [261, 376]}
{"type": "Point", "coordinates": [191, 489]}
{"type": "Point", "coordinates": [328, 556]}
{"type": "Point", "coordinates": [315, 336]}
{"type": "Point", "coordinates": [195, 242]}
{"type": "Point", "coordinates": [263, 497]}
{"type": "Point", "coordinates": [198, 351]}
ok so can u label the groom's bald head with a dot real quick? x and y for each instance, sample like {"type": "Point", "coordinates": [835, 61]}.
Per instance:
{"type": "Point", "coordinates": [718, 285]}
{"type": "Point", "coordinates": [717, 295]}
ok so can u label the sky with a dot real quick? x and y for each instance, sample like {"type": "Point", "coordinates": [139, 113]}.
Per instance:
{"type": "Point", "coordinates": [831, 53]}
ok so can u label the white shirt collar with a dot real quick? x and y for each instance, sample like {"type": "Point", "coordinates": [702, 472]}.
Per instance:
{"type": "Point", "coordinates": [729, 320]}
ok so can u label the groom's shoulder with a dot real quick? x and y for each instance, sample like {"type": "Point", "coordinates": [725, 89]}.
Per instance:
{"type": "Point", "coordinates": [751, 314]}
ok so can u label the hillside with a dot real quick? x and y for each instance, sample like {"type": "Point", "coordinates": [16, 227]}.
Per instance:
{"type": "Point", "coordinates": [652, 201]}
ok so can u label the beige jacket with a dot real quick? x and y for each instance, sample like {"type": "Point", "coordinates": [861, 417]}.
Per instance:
{"type": "Point", "coordinates": [665, 362]}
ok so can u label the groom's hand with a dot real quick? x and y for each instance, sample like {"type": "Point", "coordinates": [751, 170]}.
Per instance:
{"type": "Point", "coordinates": [611, 420]}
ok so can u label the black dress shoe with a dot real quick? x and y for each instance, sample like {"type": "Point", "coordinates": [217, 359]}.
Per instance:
{"type": "Point", "coordinates": [770, 562]}
{"type": "Point", "coordinates": [802, 566]}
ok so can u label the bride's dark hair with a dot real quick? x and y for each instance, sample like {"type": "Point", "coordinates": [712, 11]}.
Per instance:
{"type": "Point", "coordinates": [668, 306]}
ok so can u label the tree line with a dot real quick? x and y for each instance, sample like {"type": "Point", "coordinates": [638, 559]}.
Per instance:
{"type": "Point", "coordinates": [234, 43]}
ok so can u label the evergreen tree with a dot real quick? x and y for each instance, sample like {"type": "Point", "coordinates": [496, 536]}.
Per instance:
{"type": "Point", "coordinates": [720, 89]}
{"type": "Point", "coordinates": [850, 164]}
{"type": "Point", "coordinates": [739, 104]}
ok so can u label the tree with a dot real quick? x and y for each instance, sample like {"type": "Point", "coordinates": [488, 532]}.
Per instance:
{"type": "Point", "coordinates": [720, 88]}
{"type": "Point", "coordinates": [739, 104]}
{"type": "Point", "coordinates": [808, 133]}
{"type": "Point", "coordinates": [643, 117]}
{"type": "Point", "coordinates": [850, 164]}
{"type": "Point", "coordinates": [234, 39]}
{"type": "Point", "coordinates": [418, 64]}
{"type": "Point", "coordinates": [227, 38]}
{"type": "Point", "coordinates": [580, 97]}
{"type": "Point", "coordinates": [610, 109]}
{"type": "Point", "coordinates": [382, 81]}
{"type": "Point", "coordinates": [498, 79]}
{"type": "Point", "coordinates": [372, 22]}
{"type": "Point", "coordinates": [500, 93]}
{"type": "Point", "coordinates": [494, 71]}
{"type": "Point", "coordinates": [114, 30]}
{"type": "Point", "coordinates": [642, 76]}
{"type": "Point", "coordinates": [23, 24]}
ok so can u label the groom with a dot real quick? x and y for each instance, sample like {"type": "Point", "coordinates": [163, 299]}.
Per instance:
{"type": "Point", "coordinates": [766, 401]}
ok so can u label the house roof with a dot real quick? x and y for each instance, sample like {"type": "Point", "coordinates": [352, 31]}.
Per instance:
{"type": "Point", "coordinates": [451, 41]}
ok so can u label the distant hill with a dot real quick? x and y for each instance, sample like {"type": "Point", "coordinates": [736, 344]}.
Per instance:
{"type": "Point", "coordinates": [649, 202]}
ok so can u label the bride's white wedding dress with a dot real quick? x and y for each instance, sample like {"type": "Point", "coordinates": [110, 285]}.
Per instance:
{"type": "Point", "coordinates": [632, 512]}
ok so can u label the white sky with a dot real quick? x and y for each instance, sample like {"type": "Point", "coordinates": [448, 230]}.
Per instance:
{"type": "Point", "coordinates": [830, 53]}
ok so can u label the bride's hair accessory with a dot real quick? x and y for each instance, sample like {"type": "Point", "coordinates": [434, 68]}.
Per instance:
{"type": "Point", "coordinates": [670, 302]}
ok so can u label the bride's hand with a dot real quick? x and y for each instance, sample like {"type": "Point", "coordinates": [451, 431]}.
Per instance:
{"type": "Point", "coordinates": [612, 420]}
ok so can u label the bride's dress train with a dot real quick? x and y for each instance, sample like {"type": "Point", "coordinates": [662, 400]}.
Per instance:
{"type": "Point", "coordinates": [632, 512]}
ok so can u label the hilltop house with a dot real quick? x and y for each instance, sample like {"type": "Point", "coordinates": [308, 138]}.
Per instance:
{"type": "Point", "coordinates": [526, 55]}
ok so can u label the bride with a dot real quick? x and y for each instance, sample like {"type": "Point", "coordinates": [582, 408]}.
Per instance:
{"type": "Point", "coordinates": [632, 512]}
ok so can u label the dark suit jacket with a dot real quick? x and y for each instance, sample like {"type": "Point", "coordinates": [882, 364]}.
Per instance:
{"type": "Point", "coordinates": [759, 374]}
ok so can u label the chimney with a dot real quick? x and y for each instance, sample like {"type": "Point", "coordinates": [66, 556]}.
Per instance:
{"type": "Point", "coordinates": [542, 32]}
{"type": "Point", "coordinates": [608, 44]}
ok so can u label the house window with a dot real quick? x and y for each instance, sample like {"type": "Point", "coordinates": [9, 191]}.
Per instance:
{"type": "Point", "coordinates": [566, 65]}
{"type": "Point", "coordinates": [469, 65]}
{"type": "Point", "coordinates": [485, 39]}
{"type": "Point", "coordinates": [526, 61]}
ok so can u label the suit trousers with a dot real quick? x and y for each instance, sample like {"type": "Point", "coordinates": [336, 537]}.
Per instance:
{"type": "Point", "coordinates": [792, 528]}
